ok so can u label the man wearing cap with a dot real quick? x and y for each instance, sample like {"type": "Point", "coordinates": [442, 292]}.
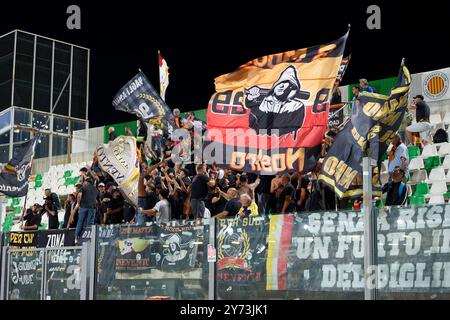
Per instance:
{"type": "Point", "coordinates": [184, 175]}
{"type": "Point", "coordinates": [365, 86]}
{"type": "Point", "coordinates": [103, 198]}
{"type": "Point", "coordinates": [422, 125]}
{"type": "Point", "coordinates": [32, 218]}
{"type": "Point", "coordinates": [87, 200]}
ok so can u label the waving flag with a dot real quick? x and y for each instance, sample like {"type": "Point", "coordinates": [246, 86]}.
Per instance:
{"type": "Point", "coordinates": [270, 115]}
{"type": "Point", "coordinates": [163, 76]}
{"type": "Point", "coordinates": [375, 122]}
{"type": "Point", "coordinates": [15, 174]}
{"type": "Point", "coordinates": [120, 159]}
{"type": "Point", "coordinates": [140, 98]}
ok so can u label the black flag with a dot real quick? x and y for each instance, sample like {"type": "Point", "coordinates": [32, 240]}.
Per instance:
{"type": "Point", "coordinates": [375, 120]}
{"type": "Point", "coordinates": [14, 176]}
{"type": "Point", "coordinates": [140, 98]}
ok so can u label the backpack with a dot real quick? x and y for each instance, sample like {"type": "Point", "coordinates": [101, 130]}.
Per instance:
{"type": "Point", "coordinates": [440, 136]}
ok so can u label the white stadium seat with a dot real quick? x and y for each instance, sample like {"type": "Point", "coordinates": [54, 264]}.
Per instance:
{"type": "Point", "coordinates": [446, 119]}
{"type": "Point", "coordinates": [446, 162]}
{"type": "Point", "coordinates": [436, 120]}
{"type": "Point", "coordinates": [436, 200]}
{"type": "Point", "coordinates": [437, 174]}
{"type": "Point", "coordinates": [429, 151]}
{"type": "Point", "coordinates": [444, 149]}
{"type": "Point", "coordinates": [438, 188]}
{"type": "Point", "coordinates": [419, 176]}
{"type": "Point", "coordinates": [384, 166]}
{"type": "Point", "coordinates": [416, 164]}
{"type": "Point", "coordinates": [448, 176]}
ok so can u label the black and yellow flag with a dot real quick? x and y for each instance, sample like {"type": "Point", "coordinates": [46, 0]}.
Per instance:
{"type": "Point", "coordinates": [375, 120]}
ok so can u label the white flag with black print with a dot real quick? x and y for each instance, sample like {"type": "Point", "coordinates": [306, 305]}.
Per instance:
{"type": "Point", "coordinates": [120, 160]}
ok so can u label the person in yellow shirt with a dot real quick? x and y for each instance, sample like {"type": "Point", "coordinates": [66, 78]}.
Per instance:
{"type": "Point", "coordinates": [249, 207]}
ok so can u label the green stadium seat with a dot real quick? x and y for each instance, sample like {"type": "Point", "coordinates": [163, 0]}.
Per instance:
{"type": "Point", "coordinates": [417, 200]}
{"type": "Point", "coordinates": [17, 210]}
{"type": "Point", "coordinates": [38, 177]}
{"type": "Point", "coordinates": [432, 162]}
{"type": "Point", "coordinates": [38, 184]}
{"type": "Point", "coordinates": [75, 180]}
{"type": "Point", "coordinates": [67, 174]}
{"type": "Point", "coordinates": [385, 156]}
{"type": "Point", "coordinates": [379, 203]}
{"type": "Point", "coordinates": [413, 152]}
{"type": "Point", "coordinates": [15, 201]}
{"type": "Point", "coordinates": [421, 189]}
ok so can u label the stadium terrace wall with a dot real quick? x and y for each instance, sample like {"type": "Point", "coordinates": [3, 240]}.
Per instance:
{"type": "Point", "coordinates": [314, 255]}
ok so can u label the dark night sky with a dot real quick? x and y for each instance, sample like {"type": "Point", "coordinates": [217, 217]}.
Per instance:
{"type": "Point", "coordinates": [203, 41]}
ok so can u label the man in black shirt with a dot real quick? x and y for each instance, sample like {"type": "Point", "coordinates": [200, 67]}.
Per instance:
{"type": "Point", "coordinates": [302, 192]}
{"type": "Point", "coordinates": [286, 200]}
{"type": "Point", "coordinates": [32, 218]}
{"type": "Point", "coordinates": [52, 213]}
{"type": "Point", "coordinates": [103, 198]}
{"type": "Point", "coordinates": [69, 206]}
{"type": "Point", "coordinates": [54, 198]}
{"type": "Point", "coordinates": [87, 200]}
{"type": "Point", "coordinates": [264, 194]}
{"type": "Point", "coordinates": [422, 125]}
{"type": "Point", "coordinates": [114, 213]}
{"type": "Point", "coordinates": [199, 191]}
{"type": "Point", "coordinates": [233, 205]}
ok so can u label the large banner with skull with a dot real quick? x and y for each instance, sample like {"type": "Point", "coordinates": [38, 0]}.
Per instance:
{"type": "Point", "coordinates": [270, 115]}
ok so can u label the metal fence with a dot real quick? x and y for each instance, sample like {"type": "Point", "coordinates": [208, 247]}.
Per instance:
{"type": "Point", "coordinates": [316, 255]}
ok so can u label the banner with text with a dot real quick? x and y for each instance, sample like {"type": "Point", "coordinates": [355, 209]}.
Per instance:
{"type": "Point", "coordinates": [270, 115]}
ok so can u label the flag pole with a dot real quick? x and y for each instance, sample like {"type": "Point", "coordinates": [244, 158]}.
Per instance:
{"type": "Point", "coordinates": [370, 241]}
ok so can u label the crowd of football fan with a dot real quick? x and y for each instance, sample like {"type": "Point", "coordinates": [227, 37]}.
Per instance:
{"type": "Point", "coordinates": [169, 191]}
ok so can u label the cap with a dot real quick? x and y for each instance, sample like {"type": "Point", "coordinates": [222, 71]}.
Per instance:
{"type": "Point", "coordinates": [419, 96]}
{"type": "Point", "coordinates": [109, 184]}
{"type": "Point", "coordinates": [331, 134]}
{"type": "Point", "coordinates": [101, 184]}
{"type": "Point", "coordinates": [84, 169]}
{"type": "Point", "coordinates": [363, 80]}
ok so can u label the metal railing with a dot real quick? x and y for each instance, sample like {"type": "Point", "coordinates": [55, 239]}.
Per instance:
{"type": "Point", "coordinates": [317, 255]}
